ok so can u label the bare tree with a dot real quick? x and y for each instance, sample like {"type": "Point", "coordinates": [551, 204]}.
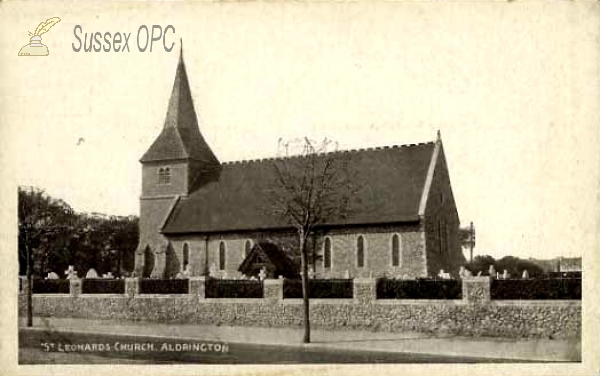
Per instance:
{"type": "Point", "coordinates": [312, 189]}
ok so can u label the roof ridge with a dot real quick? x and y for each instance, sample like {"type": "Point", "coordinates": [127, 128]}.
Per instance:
{"type": "Point", "coordinates": [372, 148]}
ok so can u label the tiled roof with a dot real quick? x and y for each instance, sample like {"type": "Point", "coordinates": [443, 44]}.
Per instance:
{"type": "Point", "coordinates": [390, 183]}
{"type": "Point", "coordinates": [180, 137]}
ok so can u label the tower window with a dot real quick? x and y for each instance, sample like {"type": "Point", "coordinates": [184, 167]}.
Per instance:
{"type": "Point", "coordinates": [222, 255]}
{"type": "Point", "coordinates": [360, 252]}
{"type": "Point", "coordinates": [327, 254]}
{"type": "Point", "coordinates": [164, 175]}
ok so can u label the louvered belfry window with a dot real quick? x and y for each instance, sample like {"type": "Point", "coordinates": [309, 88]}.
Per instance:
{"type": "Point", "coordinates": [164, 175]}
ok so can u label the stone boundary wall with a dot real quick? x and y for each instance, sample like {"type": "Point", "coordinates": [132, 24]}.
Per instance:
{"type": "Point", "coordinates": [474, 315]}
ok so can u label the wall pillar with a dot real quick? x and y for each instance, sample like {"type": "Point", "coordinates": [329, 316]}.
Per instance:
{"type": "Point", "coordinates": [75, 286]}
{"type": "Point", "coordinates": [273, 290]}
{"type": "Point", "coordinates": [23, 284]}
{"type": "Point", "coordinates": [132, 286]}
{"type": "Point", "coordinates": [197, 286]}
{"type": "Point", "coordinates": [365, 290]}
{"type": "Point", "coordinates": [476, 290]}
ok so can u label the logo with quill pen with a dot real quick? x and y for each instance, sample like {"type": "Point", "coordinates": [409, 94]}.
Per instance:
{"type": "Point", "coordinates": [35, 46]}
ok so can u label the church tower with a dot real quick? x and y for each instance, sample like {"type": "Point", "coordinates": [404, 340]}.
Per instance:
{"type": "Point", "coordinates": [177, 163]}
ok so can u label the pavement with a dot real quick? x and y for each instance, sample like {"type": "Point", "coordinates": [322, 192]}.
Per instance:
{"type": "Point", "coordinates": [544, 350]}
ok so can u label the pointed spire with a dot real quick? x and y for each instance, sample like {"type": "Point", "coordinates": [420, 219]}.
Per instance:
{"type": "Point", "coordinates": [439, 136]}
{"type": "Point", "coordinates": [181, 137]}
{"type": "Point", "coordinates": [180, 112]}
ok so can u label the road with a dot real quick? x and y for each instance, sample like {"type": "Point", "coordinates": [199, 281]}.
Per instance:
{"type": "Point", "coordinates": [51, 347]}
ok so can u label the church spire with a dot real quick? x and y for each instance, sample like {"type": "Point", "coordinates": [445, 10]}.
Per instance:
{"type": "Point", "coordinates": [180, 137]}
{"type": "Point", "coordinates": [180, 113]}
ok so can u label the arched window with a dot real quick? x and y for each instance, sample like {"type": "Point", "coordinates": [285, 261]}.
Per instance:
{"type": "Point", "coordinates": [395, 250]}
{"type": "Point", "coordinates": [327, 253]}
{"type": "Point", "coordinates": [186, 255]}
{"type": "Point", "coordinates": [164, 175]}
{"type": "Point", "coordinates": [222, 256]}
{"type": "Point", "coordinates": [148, 262]}
{"type": "Point", "coordinates": [247, 248]}
{"type": "Point", "coordinates": [360, 252]}
{"type": "Point", "coordinates": [440, 241]}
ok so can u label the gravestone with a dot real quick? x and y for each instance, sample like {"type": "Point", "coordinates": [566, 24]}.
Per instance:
{"type": "Point", "coordinates": [212, 271]}
{"type": "Point", "coordinates": [91, 273]}
{"type": "Point", "coordinates": [262, 274]}
{"type": "Point", "coordinates": [52, 275]}
{"type": "Point", "coordinates": [186, 272]}
{"type": "Point", "coordinates": [71, 273]}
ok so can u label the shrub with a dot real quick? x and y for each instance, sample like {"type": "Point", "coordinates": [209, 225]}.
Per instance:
{"type": "Point", "coordinates": [540, 289]}
{"type": "Point", "coordinates": [51, 286]}
{"type": "Point", "coordinates": [562, 275]}
{"type": "Point", "coordinates": [103, 286]}
{"type": "Point", "coordinates": [419, 289]}
{"type": "Point", "coordinates": [164, 286]}
{"type": "Point", "coordinates": [233, 288]}
{"type": "Point", "coordinates": [319, 289]}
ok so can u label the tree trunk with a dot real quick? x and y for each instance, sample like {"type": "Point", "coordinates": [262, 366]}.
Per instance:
{"type": "Point", "coordinates": [29, 288]}
{"type": "Point", "coordinates": [119, 255]}
{"type": "Point", "coordinates": [305, 288]}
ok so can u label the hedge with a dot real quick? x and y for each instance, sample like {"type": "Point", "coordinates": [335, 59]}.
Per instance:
{"type": "Point", "coordinates": [51, 286]}
{"type": "Point", "coordinates": [103, 286]}
{"type": "Point", "coordinates": [164, 286]}
{"type": "Point", "coordinates": [419, 289]}
{"type": "Point", "coordinates": [233, 288]}
{"type": "Point", "coordinates": [319, 289]}
{"type": "Point", "coordinates": [539, 289]}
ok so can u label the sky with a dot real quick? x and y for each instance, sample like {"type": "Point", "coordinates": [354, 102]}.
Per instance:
{"type": "Point", "coordinates": [512, 87]}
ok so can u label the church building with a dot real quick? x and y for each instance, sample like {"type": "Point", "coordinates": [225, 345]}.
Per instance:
{"type": "Point", "coordinates": [209, 218]}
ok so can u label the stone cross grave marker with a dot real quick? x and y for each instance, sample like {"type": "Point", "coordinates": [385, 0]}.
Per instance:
{"type": "Point", "coordinates": [262, 275]}
{"type": "Point", "coordinates": [70, 273]}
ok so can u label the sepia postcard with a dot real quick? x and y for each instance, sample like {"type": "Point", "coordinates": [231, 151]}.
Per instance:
{"type": "Point", "coordinates": [300, 187]}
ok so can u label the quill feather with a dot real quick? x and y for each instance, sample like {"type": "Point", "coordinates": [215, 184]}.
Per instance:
{"type": "Point", "coordinates": [44, 27]}
{"type": "Point", "coordinates": [39, 27]}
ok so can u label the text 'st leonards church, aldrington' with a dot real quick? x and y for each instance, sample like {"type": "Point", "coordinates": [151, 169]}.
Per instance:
{"type": "Point", "coordinates": [206, 217]}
